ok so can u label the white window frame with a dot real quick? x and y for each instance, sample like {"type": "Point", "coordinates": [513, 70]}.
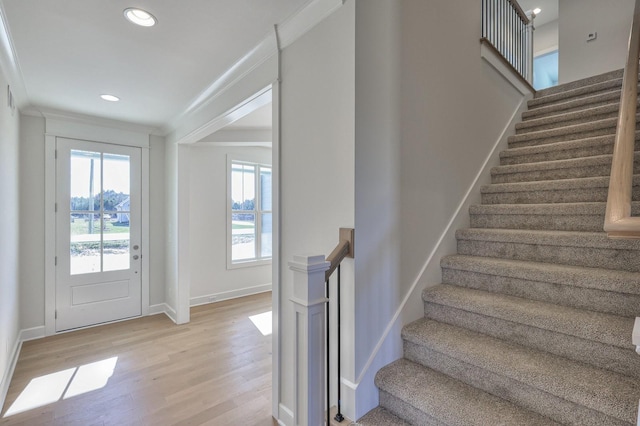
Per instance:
{"type": "Point", "coordinates": [257, 261]}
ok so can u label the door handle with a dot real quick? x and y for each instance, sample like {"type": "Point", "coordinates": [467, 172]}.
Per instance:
{"type": "Point", "coordinates": [135, 257]}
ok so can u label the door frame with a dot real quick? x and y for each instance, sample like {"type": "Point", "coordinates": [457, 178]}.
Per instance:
{"type": "Point", "coordinates": [61, 128]}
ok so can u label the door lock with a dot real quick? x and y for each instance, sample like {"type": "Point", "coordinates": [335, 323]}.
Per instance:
{"type": "Point", "coordinates": [135, 257]}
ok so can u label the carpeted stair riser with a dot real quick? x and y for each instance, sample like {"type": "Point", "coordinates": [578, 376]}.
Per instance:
{"type": "Point", "coordinates": [425, 397]}
{"type": "Point", "coordinates": [562, 191]}
{"type": "Point", "coordinates": [567, 133]}
{"type": "Point", "coordinates": [556, 170]}
{"type": "Point", "coordinates": [567, 391]}
{"type": "Point", "coordinates": [564, 119]}
{"type": "Point", "coordinates": [588, 217]}
{"type": "Point", "coordinates": [597, 100]}
{"type": "Point", "coordinates": [600, 145]}
{"type": "Point", "coordinates": [407, 410]}
{"type": "Point", "coordinates": [608, 280]}
{"type": "Point", "coordinates": [380, 416]}
{"type": "Point", "coordinates": [610, 302]}
{"type": "Point", "coordinates": [526, 329]}
{"type": "Point", "coordinates": [568, 248]}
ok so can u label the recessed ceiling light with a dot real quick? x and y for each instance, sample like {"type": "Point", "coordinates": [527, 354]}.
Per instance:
{"type": "Point", "coordinates": [140, 17]}
{"type": "Point", "coordinates": [537, 10]}
{"type": "Point", "coordinates": [110, 98]}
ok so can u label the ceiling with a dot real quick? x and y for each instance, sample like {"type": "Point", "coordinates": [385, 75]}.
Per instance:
{"type": "Point", "coordinates": [70, 52]}
{"type": "Point", "coordinates": [549, 11]}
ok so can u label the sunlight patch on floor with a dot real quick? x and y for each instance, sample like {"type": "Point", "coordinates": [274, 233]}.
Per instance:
{"type": "Point", "coordinates": [63, 384]}
{"type": "Point", "coordinates": [262, 322]}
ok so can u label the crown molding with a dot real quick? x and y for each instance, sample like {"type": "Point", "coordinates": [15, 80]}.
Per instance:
{"type": "Point", "coordinates": [10, 65]}
{"type": "Point", "coordinates": [284, 35]}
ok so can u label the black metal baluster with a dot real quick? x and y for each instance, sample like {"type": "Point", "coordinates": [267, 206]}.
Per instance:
{"type": "Point", "coordinates": [339, 417]}
{"type": "Point", "coordinates": [328, 357]}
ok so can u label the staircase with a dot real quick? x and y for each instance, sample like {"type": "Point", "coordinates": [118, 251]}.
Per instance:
{"type": "Point", "coordinates": [532, 323]}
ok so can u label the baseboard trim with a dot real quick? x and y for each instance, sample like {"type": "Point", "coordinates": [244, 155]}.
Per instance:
{"type": "Point", "coordinates": [285, 415]}
{"type": "Point", "coordinates": [226, 295]}
{"type": "Point", "coordinates": [32, 333]}
{"type": "Point", "coordinates": [6, 380]}
{"type": "Point", "coordinates": [160, 308]}
{"type": "Point", "coordinates": [434, 255]}
{"type": "Point", "coordinates": [163, 308]}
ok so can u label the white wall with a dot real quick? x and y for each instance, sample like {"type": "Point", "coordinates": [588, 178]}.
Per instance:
{"type": "Point", "coordinates": [210, 277]}
{"type": "Point", "coordinates": [9, 242]}
{"type": "Point", "coordinates": [157, 220]}
{"type": "Point", "coordinates": [577, 18]}
{"type": "Point", "coordinates": [316, 158]}
{"type": "Point", "coordinates": [545, 38]}
{"type": "Point", "coordinates": [428, 115]}
{"type": "Point", "coordinates": [32, 230]}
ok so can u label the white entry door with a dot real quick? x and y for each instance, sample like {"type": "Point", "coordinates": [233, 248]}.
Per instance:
{"type": "Point", "coordinates": [98, 235]}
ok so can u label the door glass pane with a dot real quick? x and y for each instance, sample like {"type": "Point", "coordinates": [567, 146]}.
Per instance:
{"type": "Point", "coordinates": [85, 180]}
{"type": "Point", "coordinates": [265, 241]}
{"type": "Point", "coordinates": [116, 240]}
{"type": "Point", "coordinates": [85, 244]}
{"type": "Point", "coordinates": [265, 188]}
{"type": "Point", "coordinates": [117, 183]}
{"type": "Point", "coordinates": [243, 236]}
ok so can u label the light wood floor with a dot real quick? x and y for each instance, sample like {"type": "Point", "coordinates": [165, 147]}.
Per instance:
{"type": "Point", "coordinates": [216, 370]}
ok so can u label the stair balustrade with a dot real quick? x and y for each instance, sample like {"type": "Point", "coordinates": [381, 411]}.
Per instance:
{"type": "Point", "coordinates": [312, 330]}
{"type": "Point", "coordinates": [618, 221]}
{"type": "Point", "coordinates": [509, 31]}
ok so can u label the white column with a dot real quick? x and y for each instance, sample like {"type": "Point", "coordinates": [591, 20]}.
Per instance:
{"type": "Point", "coordinates": [309, 321]}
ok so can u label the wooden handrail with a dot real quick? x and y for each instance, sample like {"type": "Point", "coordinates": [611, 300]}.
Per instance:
{"type": "Point", "coordinates": [618, 222]}
{"type": "Point", "coordinates": [345, 248]}
{"type": "Point", "coordinates": [523, 16]}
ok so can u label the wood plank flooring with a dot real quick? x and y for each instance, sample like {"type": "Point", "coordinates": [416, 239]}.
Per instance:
{"type": "Point", "coordinates": [216, 370]}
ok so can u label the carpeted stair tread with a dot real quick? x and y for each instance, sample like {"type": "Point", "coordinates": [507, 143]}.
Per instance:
{"type": "Point", "coordinates": [596, 326]}
{"type": "Point", "coordinates": [585, 217]}
{"type": "Point", "coordinates": [548, 238]}
{"type": "Point", "coordinates": [578, 92]}
{"type": "Point", "coordinates": [577, 334]}
{"type": "Point", "coordinates": [592, 189]}
{"type": "Point", "coordinates": [381, 417]}
{"type": "Point", "coordinates": [588, 81]}
{"type": "Point", "coordinates": [592, 278]}
{"type": "Point", "coordinates": [599, 165]}
{"type": "Point", "coordinates": [600, 290]}
{"type": "Point", "coordinates": [598, 145]}
{"type": "Point", "coordinates": [448, 401]}
{"type": "Point", "coordinates": [600, 390]}
{"type": "Point", "coordinates": [603, 98]}
{"type": "Point", "coordinates": [593, 249]}
{"type": "Point", "coordinates": [565, 133]}
{"type": "Point", "coordinates": [562, 119]}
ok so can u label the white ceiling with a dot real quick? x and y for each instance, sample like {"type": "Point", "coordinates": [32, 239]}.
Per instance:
{"type": "Point", "coordinates": [69, 52]}
{"type": "Point", "coordinates": [258, 119]}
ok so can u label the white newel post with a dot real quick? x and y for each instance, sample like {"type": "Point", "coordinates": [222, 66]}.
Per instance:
{"type": "Point", "coordinates": [529, 53]}
{"type": "Point", "coordinates": [309, 321]}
